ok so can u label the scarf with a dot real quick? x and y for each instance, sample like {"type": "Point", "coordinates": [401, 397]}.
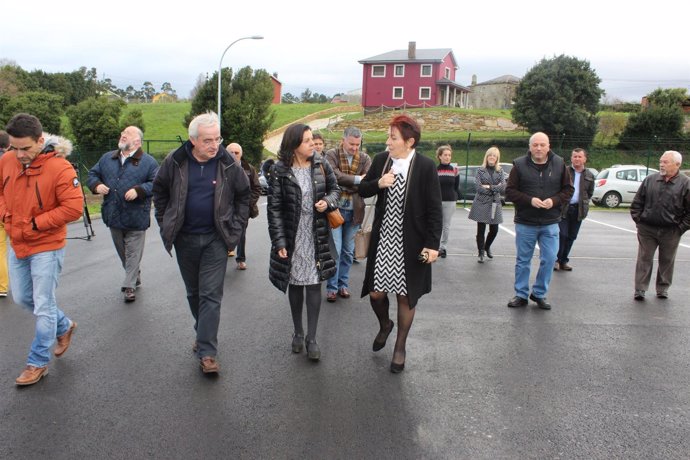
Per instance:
{"type": "Point", "coordinates": [347, 168]}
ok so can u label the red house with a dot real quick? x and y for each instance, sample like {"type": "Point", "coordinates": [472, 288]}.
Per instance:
{"type": "Point", "coordinates": [277, 88]}
{"type": "Point", "coordinates": [412, 78]}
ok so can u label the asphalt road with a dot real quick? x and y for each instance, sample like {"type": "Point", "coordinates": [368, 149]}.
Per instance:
{"type": "Point", "coordinates": [599, 376]}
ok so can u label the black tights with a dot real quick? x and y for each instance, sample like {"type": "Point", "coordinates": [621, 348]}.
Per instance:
{"type": "Point", "coordinates": [379, 303]}
{"type": "Point", "coordinates": [493, 231]}
{"type": "Point", "coordinates": [296, 298]}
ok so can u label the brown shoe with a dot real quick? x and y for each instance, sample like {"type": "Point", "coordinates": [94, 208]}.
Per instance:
{"type": "Point", "coordinates": [344, 293]}
{"type": "Point", "coordinates": [241, 266]}
{"type": "Point", "coordinates": [64, 340]}
{"type": "Point", "coordinates": [332, 297]}
{"type": "Point", "coordinates": [566, 267]}
{"type": "Point", "coordinates": [209, 365]}
{"type": "Point", "coordinates": [231, 253]}
{"type": "Point", "coordinates": [31, 375]}
{"type": "Point", "coordinates": [130, 296]}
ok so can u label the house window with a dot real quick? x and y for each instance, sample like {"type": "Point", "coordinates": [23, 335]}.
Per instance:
{"type": "Point", "coordinates": [426, 70]}
{"type": "Point", "coordinates": [378, 71]}
{"type": "Point", "coordinates": [397, 92]}
{"type": "Point", "coordinates": [424, 93]}
{"type": "Point", "coordinates": [399, 70]}
{"type": "Point", "coordinates": [447, 73]}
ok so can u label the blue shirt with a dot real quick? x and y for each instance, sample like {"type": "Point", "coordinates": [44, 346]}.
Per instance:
{"type": "Point", "coordinates": [576, 183]}
{"type": "Point", "coordinates": [201, 188]}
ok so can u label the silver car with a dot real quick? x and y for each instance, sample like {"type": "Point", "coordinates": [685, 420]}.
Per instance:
{"type": "Point", "coordinates": [618, 184]}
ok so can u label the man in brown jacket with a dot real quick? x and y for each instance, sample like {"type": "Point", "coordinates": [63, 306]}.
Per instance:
{"type": "Point", "coordinates": [350, 166]}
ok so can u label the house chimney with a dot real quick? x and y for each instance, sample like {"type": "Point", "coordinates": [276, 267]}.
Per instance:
{"type": "Point", "coordinates": [412, 50]}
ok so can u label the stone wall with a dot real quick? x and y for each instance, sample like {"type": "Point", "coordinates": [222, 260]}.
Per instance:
{"type": "Point", "coordinates": [433, 121]}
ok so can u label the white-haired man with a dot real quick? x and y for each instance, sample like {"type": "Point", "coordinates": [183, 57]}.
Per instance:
{"type": "Point", "coordinates": [201, 200]}
{"type": "Point", "coordinates": [661, 210]}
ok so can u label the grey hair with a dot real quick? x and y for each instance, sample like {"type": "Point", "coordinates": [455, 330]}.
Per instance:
{"type": "Point", "coordinates": [351, 131]}
{"type": "Point", "coordinates": [677, 157]}
{"type": "Point", "coordinates": [209, 118]}
{"type": "Point", "coordinates": [531, 138]}
{"type": "Point", "coordinates": [140, 133]}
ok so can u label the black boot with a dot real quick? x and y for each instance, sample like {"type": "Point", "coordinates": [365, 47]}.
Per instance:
{"type": "Point", "coordinates": [480, 258]}
{"type": "Point", "coordinates": [487, 249]}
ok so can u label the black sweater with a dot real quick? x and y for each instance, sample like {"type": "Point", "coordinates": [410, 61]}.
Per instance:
{"type": "Point", "coordinates": [448, 178]}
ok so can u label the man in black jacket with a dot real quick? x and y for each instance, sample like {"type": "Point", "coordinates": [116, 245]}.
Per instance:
{"type": "Point", "coordinates": [576, 211]}
{"type": "Point", "coordinates": [201, 199]}
{"type": "Point", "coordinates": [538, 185]}
{"type": "Point", "coordinates": [661, 210]}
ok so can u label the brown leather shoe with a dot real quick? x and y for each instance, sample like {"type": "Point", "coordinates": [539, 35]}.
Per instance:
{"type": "Point", "coordinates": [209, 365]}
{"type": "Point", "coordinates": [31, 375]}
{"type": "Point", "coordinates": [64, 340]}
{"type": "Point", "coordinates": [241, 266]}
{"type": "Point", "coordinates": [566, 267]}
{"type": "Point", "coordinates": [130, 296]}
{"type": "Point", "coordinates": [344, 293]}
{"type": "Point", "coordinates": [332, 297]}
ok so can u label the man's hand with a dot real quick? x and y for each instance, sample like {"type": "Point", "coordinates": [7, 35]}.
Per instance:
{"type": "Point", "coordinates": [102, 189]}
{"type": "Point", "coordinates": [545, 204]}
{"type": "Point", "coordinates": [131, 194]}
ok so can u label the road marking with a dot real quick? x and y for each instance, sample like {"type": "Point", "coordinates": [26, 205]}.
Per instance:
{"type": "Point", "coordinates": [624, 229]}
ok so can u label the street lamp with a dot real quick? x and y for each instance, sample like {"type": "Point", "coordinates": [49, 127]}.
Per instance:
{"type": "Point", "coordinates": [220, 65]}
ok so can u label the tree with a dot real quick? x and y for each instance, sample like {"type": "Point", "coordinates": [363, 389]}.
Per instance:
{"type": "Point", "coordinates": [306, 95]}
{"type": "Point", "coordinates": [662, 119]}
{"type": "Point", "coordinates": [95, 123]}
{"type": "Point", "coordinates": [45, 106]}
{"type": "Point", "coordinates": [559, 96]}
{"type": "Point", "coordinates": [149, 91]}
{"type": "Point", "coordinates": [134, 117]}
{"type": "Point", "coordinates": [246, 103]}
{"type": "Point", "coordinates": [200, 81]}
{"type": "Point", "coordinates": [289, 98]}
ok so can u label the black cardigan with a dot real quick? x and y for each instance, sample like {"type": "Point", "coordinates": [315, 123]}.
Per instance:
{"type": "Point", "coordinates": [422, 220]}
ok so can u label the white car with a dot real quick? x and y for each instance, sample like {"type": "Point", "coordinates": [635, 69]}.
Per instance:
{"type": "Point", "coordinates": [618, 184]}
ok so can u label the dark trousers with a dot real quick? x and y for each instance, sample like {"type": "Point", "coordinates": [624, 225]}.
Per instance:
{"type": "Point", "coordinates": [239, 250]}
{"type": "Point", "coordinates": [481, 229]}
{"type": "Point", "coordinates": [650, 238]}
{"type": "Point", "coordinates": [203, 260]}
{"type": "Point", "coordinates": [568, 227]}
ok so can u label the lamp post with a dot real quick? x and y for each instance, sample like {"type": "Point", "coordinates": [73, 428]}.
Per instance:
{"type": "Point", "coordinates": [220, 64]}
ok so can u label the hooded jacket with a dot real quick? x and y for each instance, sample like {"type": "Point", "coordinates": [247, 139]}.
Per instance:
{"type": "Point", "coordinates": [37, 201]}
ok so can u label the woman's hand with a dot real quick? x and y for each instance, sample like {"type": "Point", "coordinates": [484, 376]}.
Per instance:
{"type": "Point", "coordinates": [433, 255]}
{"type": "Point", "coordinates": [321, 205]}
{"type": "Point", "coordinates": [386, 180]}
{"type": "Point", "coordinates": [282, 253]}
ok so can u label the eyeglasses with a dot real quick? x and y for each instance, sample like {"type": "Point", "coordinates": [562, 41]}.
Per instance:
{"type": "Point", "coordinates": [209, 142]}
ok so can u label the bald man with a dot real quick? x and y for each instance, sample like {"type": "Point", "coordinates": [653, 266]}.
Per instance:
{"type": "Point", "coordinates": [538, 185]}
{"type": "Point", "coordinates": [661, 210]}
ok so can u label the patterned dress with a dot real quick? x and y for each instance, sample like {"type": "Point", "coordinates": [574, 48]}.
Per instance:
{"type": "Point", "coordinates": [303, 269]}
{"type": "Point", "coordinates": [389, 267]}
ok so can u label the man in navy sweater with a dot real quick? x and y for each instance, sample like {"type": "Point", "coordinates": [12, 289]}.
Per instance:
{"type": "Point", "coordinates": [201, 200]}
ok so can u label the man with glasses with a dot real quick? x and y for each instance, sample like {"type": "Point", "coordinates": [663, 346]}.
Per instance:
{"type": "Point", "coordinates": [39, 194]}
{"type": "Point", "coordinates": [201, 201]}
{"type": "Point", "coordinates": [125, 178]}
{"type": "Point", "coordinates": [350, 166]}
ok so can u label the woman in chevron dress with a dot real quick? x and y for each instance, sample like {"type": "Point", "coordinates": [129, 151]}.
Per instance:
{"type": "Point", "coordinates": [405, 234]}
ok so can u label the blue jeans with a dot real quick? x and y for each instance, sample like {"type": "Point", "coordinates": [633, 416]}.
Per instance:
{"type": "Point", "coordinates": [526, 238]}
{"type": "Point", "coordinates": [344, 240]}
{"type": "Point", "coordinates": [34, 280]}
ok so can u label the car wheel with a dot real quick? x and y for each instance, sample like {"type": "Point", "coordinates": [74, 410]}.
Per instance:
{"type": "Point", "coordinates": [611, 200]}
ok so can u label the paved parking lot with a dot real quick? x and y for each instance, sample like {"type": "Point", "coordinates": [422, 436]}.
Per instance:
{"type": "Point", "coordinates": [599, 376]}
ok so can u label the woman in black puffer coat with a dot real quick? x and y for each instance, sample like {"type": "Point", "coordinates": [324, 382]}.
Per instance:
{"type": "Point", "coordinates": [303, 188]}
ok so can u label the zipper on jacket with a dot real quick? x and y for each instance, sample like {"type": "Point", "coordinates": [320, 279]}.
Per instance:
{"type": "Point", "coordinates": [38, 197]}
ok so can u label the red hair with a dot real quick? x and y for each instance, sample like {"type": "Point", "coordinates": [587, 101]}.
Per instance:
{"type": "Point", "coordinates": [408, 127]}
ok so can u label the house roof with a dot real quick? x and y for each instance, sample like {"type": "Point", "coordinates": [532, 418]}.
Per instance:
{"type": "Point", "coordinates": [445, 81]}
{"type": "Point", "coordinates": [501, 79]}
{"type": "Point", "coordinates": [431, 55]}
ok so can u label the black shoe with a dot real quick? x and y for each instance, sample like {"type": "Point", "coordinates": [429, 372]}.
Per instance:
{"type": "Point", "coordinates": [516, 302]}
{"type": "Point", "coordinates": [442, 253]}
{"type": "Point", "coordinates": [380, 344]}
{"type": "Point", "coordinates": [639, 294]}
{"type": "Point", "coordinates": [541, 302]}
{"type": "Point", "coordinates": [488, 253]}
{"type": "Point", "coordinates": [397, 368]}
{"type": "Point", "coordinates": [297, 343]}
{"type": "Point", "coordinates": [480, 257]}
{"type": "Point", "coordinates": [313, 351]}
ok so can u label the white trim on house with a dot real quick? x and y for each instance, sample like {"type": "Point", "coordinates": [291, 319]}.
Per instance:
{"type": "Point", "coordinates": [447, 72]}
{"type": "Point", "coordinates": [402, 92]}
{"type": "Point", "coordinates": [421, 70]}
{"type": "Point", "coordinates": [378, 66]}
{"type": "Point", "coordinates": [395, 70]}
{"type": "Point", "coordinates": [421, 88]}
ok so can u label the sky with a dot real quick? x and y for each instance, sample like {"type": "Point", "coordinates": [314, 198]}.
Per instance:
{"type": "Point", "coordinates": [317, 45]}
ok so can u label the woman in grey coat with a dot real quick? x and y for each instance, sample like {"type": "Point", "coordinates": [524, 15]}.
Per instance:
{"type": "Point", "coordinates": [486, 207]}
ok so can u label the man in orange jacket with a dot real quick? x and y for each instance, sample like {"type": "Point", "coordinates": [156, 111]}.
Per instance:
{"type": "Point", "coordinates": [39, 194]}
